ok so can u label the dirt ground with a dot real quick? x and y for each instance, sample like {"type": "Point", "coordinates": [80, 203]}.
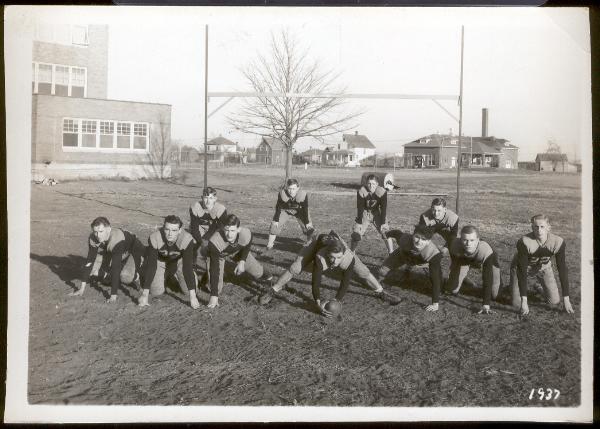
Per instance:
{"type": "Point", "coordinates": [83, 351]}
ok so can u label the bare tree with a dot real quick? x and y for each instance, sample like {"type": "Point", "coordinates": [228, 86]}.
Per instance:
{"type": "Point", "coordinates": [161, 149]}
{"type": "Point", "coordinates": [288, 69]}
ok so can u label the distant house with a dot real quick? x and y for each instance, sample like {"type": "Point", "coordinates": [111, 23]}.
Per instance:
{"type": "Point", "coordinates": [341, 158]}
{"type": "Point", "coordinates": [441, 151]}
{"type": "Point", "coordinates": [270, 151]}
{"type": "Point", "coordinates": [350, 151]}
{"type": "Point", "coordinates": [554, 162]}
{"type": "Point", "coordinates": [221, 144]}
{"type": "Point", "coordinates": [312, 156]}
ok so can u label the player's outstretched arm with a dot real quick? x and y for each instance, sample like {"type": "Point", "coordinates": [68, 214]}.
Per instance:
{"type": "Point", "coordinates": [435, 273]}
{"type": "Point", "coordinates": [150, 262]}
{"type": "Point", "coordinates": [563, 275]}
{"type": "Point", "coordinates": [188, 274]}
{"type": "Point", "coordinates": [87, 269]}
{"type": "Point", "coordinates": [80, 290]}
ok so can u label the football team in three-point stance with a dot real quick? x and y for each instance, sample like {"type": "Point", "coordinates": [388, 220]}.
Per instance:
{"type": "Point", "coordinates": [218, 242]}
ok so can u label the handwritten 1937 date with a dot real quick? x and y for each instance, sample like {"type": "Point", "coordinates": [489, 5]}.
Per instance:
{"type": "Point", "coordinates": [542, 394]}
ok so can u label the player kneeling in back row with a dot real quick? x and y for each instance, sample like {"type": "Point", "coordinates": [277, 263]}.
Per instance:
{"type": "Point", "coordinates": [371, 208]}
{"type": "Point", "coordinates": [113, 255]}
{"type": "Point", "coordinates": [469, 251]}
{"type": "Point", "coordinates": [533, 259]}
{"type": "Point", "coordinates": [291, 201]}
{"type": "Point", "coordinates": [231, 243]}
{"type": "Point", "coordinates": [328, 251]}
{"type": "Point", "coordinates": [170, 255]}
{"type": "Point", "coordinates": [414, 250]}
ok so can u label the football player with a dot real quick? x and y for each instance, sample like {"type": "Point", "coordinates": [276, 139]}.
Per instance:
{"type": "Point", "coordinates": [114, 255]}
{"type": "Point", "coordinates": [471, 252]}
{"type": "Point", "coordinates": [291, 202]}
{"type": "Point", "coordinates": [442, 220]}
{"type": "Point", "coordinates": [414, 250]}
{"type": "Point", "coordinates": [533, 259]}
{"type": "Point", "coordinates": [231, 243]}
{"type": "Point", "coordinates": [170, 254]}
{"type": "Point", "coordinates": [371, 206]}
{"type": "Point", "coordinates": [328, 251]}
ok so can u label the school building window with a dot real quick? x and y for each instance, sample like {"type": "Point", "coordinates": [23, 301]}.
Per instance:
{"type": "Point", "coordinates": [103, 135]}
{"type": "Point", "coordinates": [63, 34]}
{"type": "Point", "coordinates": [58, 79]}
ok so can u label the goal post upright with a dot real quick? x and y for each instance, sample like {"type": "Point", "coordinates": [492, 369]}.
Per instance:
{"type": "Point", "coordinates": [460, 109]}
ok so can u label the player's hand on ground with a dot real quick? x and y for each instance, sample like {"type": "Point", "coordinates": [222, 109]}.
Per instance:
{"type": "Point", "coordinates": [113, 298]}
{"type": "Point", "coordinates": [524, 307]}
{"type": "Point", "coordinates": [79, 291]}
{"type": "Point", "coordinates": [322, 309]}
{"type": "Point", "coordinates": [143, 299]}
{"type": "Point", "coordinates": [213, 301]}
{"type": "Point", "coordinates": [194, 300]}
{"type": "Point", "coordinates": [240, 268]}
{"type": "Point", "coordinates": [433, 307]}
{"type": "Point", "coordinates": [568, 306]}
{"type": "Point", "coordinates": [486, 310]}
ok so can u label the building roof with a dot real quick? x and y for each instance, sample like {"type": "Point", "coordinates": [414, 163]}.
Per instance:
{"type": "Point", "coordinates": [312, 152]}
{"type": "Point", "coordinates": [480, 144]}
{"type": "Point", "coordinates": [273, 142]}
{"type": "Point", "coordinates": [559, 157]}
{"type": "Point", "coordinates": [220, 141]}
{"type": "Point", "coordinates": [357, 141]}
{"type": "Point", "coordinates": [340, 152]}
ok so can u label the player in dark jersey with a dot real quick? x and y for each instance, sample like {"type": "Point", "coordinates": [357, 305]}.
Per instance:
{"type": "Point", "coordinates": [114, 255]}
{"type": "Point", "coordinates": [415, 250]}
{"type": "Point", "coordinates": [170, 254]}
{"type": "Point", "coordinates": [471, 252]}
{"type": "Point", "coordinates": [325, 252]}
{"type": "Point", "coordinates": [206, 216]}
{"type": "Point", "coordinates": [371, 207]}
{"type": "Point", "coordinates": [291, 202]}
{"type": "Point", "coordinates": [533, 259]}
{"type": "Point", "coordinates": [231, 243]}
{"type": "Point", "coordinates": [443, 220]}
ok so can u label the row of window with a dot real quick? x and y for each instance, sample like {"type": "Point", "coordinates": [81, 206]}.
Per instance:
{"type": "Point", "coordinates": [58, 79]}
{"type": "Point", "coordinates": [62, 34]}
{"type": "Point", "coordinates": [98, 134]}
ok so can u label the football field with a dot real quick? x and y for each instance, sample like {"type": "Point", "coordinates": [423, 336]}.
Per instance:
{"type": "Point", "coordinates": [84, 351]}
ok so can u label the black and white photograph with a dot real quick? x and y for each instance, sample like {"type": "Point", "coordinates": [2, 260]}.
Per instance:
{"type": "Point", "coordinates": [298, 214]}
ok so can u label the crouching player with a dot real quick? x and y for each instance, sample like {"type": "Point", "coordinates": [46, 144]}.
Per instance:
{"type": "Point", "coordinates": [231, 243]}
{"type": "Point", "coordinates": [414, 250]}
{"type": "Point", "coordinates": [114, 255]}
{"type": "Point", "coordinates": [533, 259]}
{"type": "Point", "coordinates": [325, 252]}
{"type": "Point", "coordinates": [170, 254]}
{"type": "Point", "coordinates": [442, 220]}
{"type": "Point", "coordinates": [371, 207]}
{"type": "Point", "coordinates": [471, 252]}
{"type": "Point", "coordinates": [291, 202]}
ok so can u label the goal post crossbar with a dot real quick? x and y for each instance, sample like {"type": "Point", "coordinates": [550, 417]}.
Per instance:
{"type": "Point", "coordinates": [332, 95]}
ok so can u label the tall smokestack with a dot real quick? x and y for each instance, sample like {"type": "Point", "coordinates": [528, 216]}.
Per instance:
{"type": "Point", "coordinates": [484, 122]}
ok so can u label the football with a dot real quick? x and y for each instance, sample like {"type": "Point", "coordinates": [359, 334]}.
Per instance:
{"type": "Point", "coordinates": [334, 307]}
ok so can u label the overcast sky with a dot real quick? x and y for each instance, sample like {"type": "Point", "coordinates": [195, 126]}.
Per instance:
{"type": "Point", "coordinates": [529, 67]}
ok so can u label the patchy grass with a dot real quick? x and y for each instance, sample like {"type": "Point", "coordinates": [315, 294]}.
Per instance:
{"type": "Point", "coordinates": [86, 352]}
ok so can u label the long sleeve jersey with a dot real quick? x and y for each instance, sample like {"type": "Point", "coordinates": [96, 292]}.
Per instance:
{"type": "Point", "coordinates": [484, 258]}
{"type": "Point", "coordinates": [320, 265]}
{"type": "Point", "coordinates": [296, 206]}
{"type": "Point", "coordinates": [430, 255]}
{"type": "Point", "coordinates": [219, 248]}
{"type": "Point", "coordinates": [170, 254]}
{"type": "Point", "coordinates": [530, 253]}
{"type": "Point", "coordinates": [204, 222]}
{"type": "Point", "coordinates": [447, 227]}
{"type": "Point", "coordinates": [375, 202]}
{"type": "Point", "coordinates": [118, 247]}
